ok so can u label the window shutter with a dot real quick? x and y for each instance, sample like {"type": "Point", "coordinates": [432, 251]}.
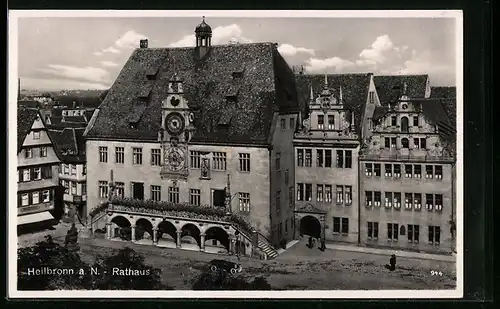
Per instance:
{"type": "Point", "coordinates": [30, 198]}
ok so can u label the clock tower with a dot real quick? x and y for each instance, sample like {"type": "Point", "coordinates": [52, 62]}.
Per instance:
{"type": "Point", "coordinates": [175, 132]}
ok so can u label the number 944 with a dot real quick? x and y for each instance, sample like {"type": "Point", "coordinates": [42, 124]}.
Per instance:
{"type": "Point", "coordinates": [436, 273]}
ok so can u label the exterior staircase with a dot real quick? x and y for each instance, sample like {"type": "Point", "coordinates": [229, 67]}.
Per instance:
{"type": "Point", "coordinates": [264, 246]}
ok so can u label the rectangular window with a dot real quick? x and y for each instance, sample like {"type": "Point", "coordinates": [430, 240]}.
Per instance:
{"type": "Point", "coordinates": [65, 185]}
{"type": "Point", "coordinates": [417, 201]}
{"type": "Point", "coordinates": [278, 161]}
{"type": "Point", "coordinates": [156, 193]}
{"type": "Point", "coordinates": [84, 189]}
{"type": "Point", "coordinates": [43, 151]}
{"type": "Point", "coordinates": [173, 195]}
{"type": "Point", "coordinates": [244, 162]}
{"type": "Point", "coordinates": [392, 231]}
{"type": "Point", "coordinates": [368, 169]}
{"type": "Point", "coordinates": [397, 200]}
{"type": "Point", "coordinates": [387, 142]}
{"type": "Point", "coordinates": [73, 188]}
{"type": "Point", "coordinates": [319, 157]}
{"type": "Point", "coordinates": [45, 196]}
{"type": "Point", "coordinates": [328, 193]}
{"type": "Point", "coordinates": [417, 171]}
{"type": "Point", "coordinates": [438, 171]}
{"type": "Point", "coordinates": [394, 121]}
{"type": "Point", "coordinates": [300, 157]}
{"type": "Point", "coordinates": [137, 156]}
{"type": "Point", "coordinates": [244, 202]}
{"type": "Point", "coordinates": [377, 198]}
{"type": "Point", "coordinates": [195, 197]}
{"type": "Point", "coordinates": [319, 193]}
{"type": "Point", "coordinates": [408, 170]}
{"type": "Point", "coordinates": [290, 197]}
{"type": "Point", "coordinates": [388, 199]}
{"type": "Point", "coordinates": [300, 192]}
{"type": "Point", "coordinates": [393, 142]}
{"type": "Point", "coordinates": [371, 96]}
{"type": "Point", "coordinates": [103, 154]}
{"type": "Point", "coordinates": [348, 159]}
{"type": "Point", "coordinates": [340, 158]}
{"type": "Point", "coordinates": [308, 192]}
{"type": "Point", "coordinates": [340, 195]}
{"type": "Point", "coordinates": [415, 121]}
{"type": "Point", "coordinates": [372, 230]}
{"type": "Point", "coordinates": [103, 189]}
{"type": "Point", "coordinates": [321, 122]}
{"type": "Point", "coordinates": [413, 233]}
{"type": "Point", "coordinates": [155, 157]}
{"type": "Point", "coordinates": [28, 153]}
{"type": "Point", "coordinates": [331, 122]}
{"type": "Point", "coordinates": [25, 199]}
{"type": "Point", "coordinates": [397, 170]}
{"type": "Point", "coordinates": [345, 226]}
{"type": "Point", "coordinates": [195, 159]}
{"type": "Point", "coordinates": [336, 225]}
{"type": "Point", "coordinates": [120, 189]}
{"type": "Point", "coordinates": [36, 134]}
{"type": "Point", "coordinates": [388, 170]}
{"type": "Point", "coordinates": [278, 201]}
{"type": "Point", "coordinates": [37, 173]}
{"type": "Point", "coordinates": [283, 124]}
{"type": "Point", "coordinates": [408, 200]}
{"type": "Point", "coordinates": [219, 161]}
{"type": "Point", "coordinates": [308, 160]}
{"type": "Point", "coordinates": [434, 235]}
{"type": "Point", "coordinates": [292, 123]}
{"type": "Point", "coordinates": [368, 198]}
{"type": "Point", "coordinates": [119, 155]}
{"type": "Point", "coordinates": [348, 195]}
{"type": "Point", "coordinates": [429, 172]}
{"type": "Point", "coordinates": [429, 201]}
{"type": "Point", "coordinates": [423, 143]}
{"type": "Point", "coordinates": [438, 202]}
{"type": "Point", "coordinates": [138, 190]}
{"type": "Point", "coordinates": [328, 158]}
{"type": "Point", "coordinates": [376, 169]}
{"type": "Point", "coordinates": [35, 197]}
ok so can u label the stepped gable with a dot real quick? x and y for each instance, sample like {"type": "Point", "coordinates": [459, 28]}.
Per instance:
{"type": "Point", "coordinates": [354, 91]}
{"type": "Point", "coordinates": [257, 71]}
{"type": "Point", "coordinates": [390, 87]}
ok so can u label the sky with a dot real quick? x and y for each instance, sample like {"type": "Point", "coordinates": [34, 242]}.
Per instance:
{"type": "Point", "coordinates": [56, 53]}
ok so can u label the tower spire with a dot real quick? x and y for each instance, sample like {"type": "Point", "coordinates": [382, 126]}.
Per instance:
{"type": "Point", "coordinates": [340, 95]}
{"type": "Point", "coordinates": [311, 94]}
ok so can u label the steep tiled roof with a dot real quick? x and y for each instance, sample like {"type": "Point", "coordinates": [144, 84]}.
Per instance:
{"type": "Point", "coordinates": [390, 87]}
{"type": "Point", "coordinates": [435, 112]}
{"type": "Point", "coordinates": [354, 90]}
{"type": "Point", "coordinates": [70, 144]}
{"type": "Point", "coordinates": [379, 112]}
{"type": "Point", "coordinates": [444, 92]}
{"type": "Point", "coordinates": [206, 84]}
{"type": "Point", "coordinates": [25, 119]}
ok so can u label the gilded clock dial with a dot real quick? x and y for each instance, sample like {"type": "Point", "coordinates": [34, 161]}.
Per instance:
{"type": "Point", "coordinates": [175, 159]}
{"type": "Point", "coordinates": [175, 123]}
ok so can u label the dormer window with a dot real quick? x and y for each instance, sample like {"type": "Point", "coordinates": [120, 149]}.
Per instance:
{"type": "Point", "coordinates": [321, 122]}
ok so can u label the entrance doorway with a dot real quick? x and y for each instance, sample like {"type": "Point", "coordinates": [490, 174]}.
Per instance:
{"type": "Point", "coordinates": [310, 226]}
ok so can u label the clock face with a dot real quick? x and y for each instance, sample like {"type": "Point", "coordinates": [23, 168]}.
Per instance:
{"type": "Point", "coordinates": [174, 101]}
{"type": "Point", "coordinates": [175, 159]}
{"type": "Point", "coordinates": [175, 123]}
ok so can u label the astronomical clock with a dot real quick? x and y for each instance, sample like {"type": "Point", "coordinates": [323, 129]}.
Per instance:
{"type": "Point", "coordinates": [175, 132]}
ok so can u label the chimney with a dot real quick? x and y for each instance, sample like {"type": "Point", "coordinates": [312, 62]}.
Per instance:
{"type": "Point", "coordinates": [144, 43]}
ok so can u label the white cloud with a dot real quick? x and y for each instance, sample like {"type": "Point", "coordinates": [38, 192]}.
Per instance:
{"type": "Point", "coordinates": [98, 53]}
{"type": "Point", "coordinates": [109, 64]}
{"type": "Point", "coordinates": [112, 50]}
{"type": "Point", "coordinates": [92, 74]}
{"type": "Point", "coordinates": [290, 50]}
{"type": "Point", "coordinates": [220, 35]}
{"type": "Point", "coordinates": [130, 39]}
{"type": "Point", "coordinates": [380, 48]}
{"type": "Point", "coordinates": [337, 64]}
{"type": "Point", "coordinates": [45, 84]}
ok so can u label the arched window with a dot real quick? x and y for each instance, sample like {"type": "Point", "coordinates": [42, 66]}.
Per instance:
{"type": "Point", "coordinates": [404, 124]}
{"type": "Point", "coordinates": [405, 142]}
{"type": "Point", "coordinates": [402, 230]}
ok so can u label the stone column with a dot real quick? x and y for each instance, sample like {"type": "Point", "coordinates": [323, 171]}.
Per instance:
{"type": "Point", "coordinates": [202, 242]}
{"type": "Point", "coordinates": [132, 228]}
{"type": "Point", "coordinates": [108, 230]}
{"type": "Point", "coordinates": [178, 243]}
{"type": "Point", "coordinates": [155, 236]}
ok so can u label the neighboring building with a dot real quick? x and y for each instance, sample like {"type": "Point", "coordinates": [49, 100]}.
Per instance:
{"type": "Point", "coordinates": [326, 147]}
{"type": "Point", "coordinates": [37, 167]}
{"type": "Point", "coordinates": [200, 126]}
{"type": "Point", "coordinates": [407, 177]}
{"type": "Point", "coordinates": [448, 97]}
{"type": "Point", "coordinates": [72, 172]}
{"type": "Point", "coordinates": [389, 87]}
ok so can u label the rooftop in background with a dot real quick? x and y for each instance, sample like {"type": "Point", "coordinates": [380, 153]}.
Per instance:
{"type": "Point", "coordinates": [25, 119]}
{"type": "Point", "coordinates": [256, 73]}
{"type": "Point", "coordinates": [70, 144]}
{"type": "Point", "coordinates": [448, 97]}
{"type": "Point", "coordinates": [354, 90]}
{"type": "Point", "coordinates": [390, 87]}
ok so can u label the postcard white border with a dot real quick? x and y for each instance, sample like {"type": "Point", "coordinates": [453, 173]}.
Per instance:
{"type": "Point", "coordinates": [13, 17]}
